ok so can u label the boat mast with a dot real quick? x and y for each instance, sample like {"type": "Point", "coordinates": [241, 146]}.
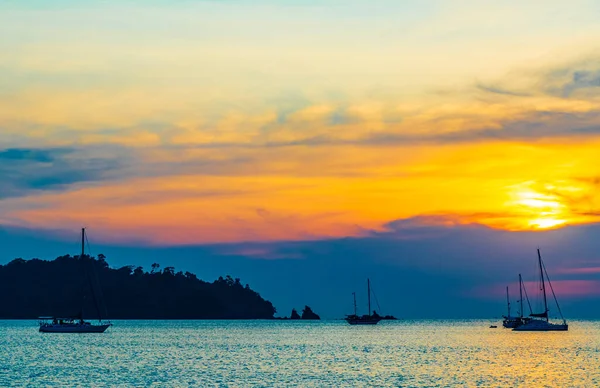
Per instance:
{"type": "Point", "coordinates": [84, 271]}
{"type": "Point", "coordinates": [82, 242]}
{"type": "Point", "coordinates": [521, 295]}
{"type": "Point", "coordinates": [369, 295]}
{"type": "Point", "coordinates": [543, 284]}
{"type": "Point", "coordinates": [89, 278]}
{"type": "Point", "coordinates": [507, 301]}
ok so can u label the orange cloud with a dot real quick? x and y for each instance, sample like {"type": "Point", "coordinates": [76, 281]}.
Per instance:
{"type": "Point", "coordinates": [303, 192]}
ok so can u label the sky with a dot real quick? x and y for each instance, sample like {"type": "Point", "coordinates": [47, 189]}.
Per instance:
{"type": "Point", "coordinates": [303, 146]}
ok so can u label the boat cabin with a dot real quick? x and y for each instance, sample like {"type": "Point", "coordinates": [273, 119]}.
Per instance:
{"type": "Point", "coordinates": [47, 321]}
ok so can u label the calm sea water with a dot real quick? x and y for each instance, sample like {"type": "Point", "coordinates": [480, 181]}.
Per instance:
{"type": "Point", "coordinates": [308, 354]}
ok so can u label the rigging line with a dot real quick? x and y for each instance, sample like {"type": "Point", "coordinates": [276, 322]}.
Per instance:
{"type": "Point", "coordinates": [376, 301]}
{"type": "Point", "coordinates": [552, 289]}
{"type": "Point", "coordinates": [352, 309]}
{"type": "Point", "coordinates": [527, 298]}
{"type": "Point", "coordinates": [92, 291]}
{"type": "Point", "coordinates": [84, 276]}
{"type": "Point", "coordinates": [537, 284]}
{"type": "Point", "coordinates": [97, 282]}
{"type": "Point", "coordinates": [91, 287]}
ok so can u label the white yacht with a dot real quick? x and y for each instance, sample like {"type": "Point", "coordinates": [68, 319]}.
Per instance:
{"type": "Point", "coordinates": [70, 325]}
{"type": "Point", "coordinates": [540, 321]}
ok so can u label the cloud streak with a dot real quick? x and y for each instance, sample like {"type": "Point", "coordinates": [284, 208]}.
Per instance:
{"type": "Point", "coordinates": [26, 171]}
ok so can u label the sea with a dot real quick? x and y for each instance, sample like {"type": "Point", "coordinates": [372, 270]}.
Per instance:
{"type": "Point", "coordinates": [416, 353]}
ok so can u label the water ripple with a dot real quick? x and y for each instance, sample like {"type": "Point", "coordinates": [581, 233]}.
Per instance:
{"type": "Point", "coordinates": [308, 354]}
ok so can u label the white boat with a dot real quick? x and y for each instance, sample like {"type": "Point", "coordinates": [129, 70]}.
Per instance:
{"type": "Point", "coordinates": [74, 324]}
{"type": "Point", "coordinates": [70, 325]}
{"type": "Point", "coordinates": [368, 319]}
{"type": "Point", "coordinates": [540, 321]}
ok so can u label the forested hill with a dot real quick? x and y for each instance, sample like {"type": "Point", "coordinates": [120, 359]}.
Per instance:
{"type": "Point", "coordinates": [68, 285]}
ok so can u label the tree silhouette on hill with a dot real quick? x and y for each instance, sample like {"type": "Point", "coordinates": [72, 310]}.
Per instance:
{"type": "Point", "coordinates": [70, 285]}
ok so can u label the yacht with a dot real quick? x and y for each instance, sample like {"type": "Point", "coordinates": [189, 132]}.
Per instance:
{"type": "Point", "coordinates": [70, 325]}
{"type": "Point", "coordinates": [509, 321]}
{"type": "Point", "coordinates": [75, 324]}
{"type": "Point", "coordinates": [540, 321]}
{"type": "Point", "coordinates": [368, 319]}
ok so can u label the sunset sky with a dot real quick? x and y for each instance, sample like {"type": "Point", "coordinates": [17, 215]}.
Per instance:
{"type": "Point", "coordinates": [263, 137]}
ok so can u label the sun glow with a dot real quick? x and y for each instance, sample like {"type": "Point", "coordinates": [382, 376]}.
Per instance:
{"type": "Point", "coordinates": [542, 208]}
{"type": "Point", "coordinates": [546, 223]}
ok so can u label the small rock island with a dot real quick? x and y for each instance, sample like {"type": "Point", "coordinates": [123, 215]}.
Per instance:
{"type": "Point", "coordinates": [307, 314]}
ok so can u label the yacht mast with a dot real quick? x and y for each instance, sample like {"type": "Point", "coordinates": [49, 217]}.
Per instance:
{"type": "Point", "coordinates": [369, 295]}
{"type": "Point", "coordinates": [89, 277]}
{"type": "Point", "coordinates": [521, 295]}
{"type": "Point", "coordinates": [354, 295]}
{"type": "Point", "coordinates": [82, 242]}
{"type": "Point", "coordinates": [554, 295]}
{"type": "Point", "coordinates": [507, 301]}
{"type": "Point", "coordinates": [82, 264]}
{"type": "Point", "coordinates": [543, 284]}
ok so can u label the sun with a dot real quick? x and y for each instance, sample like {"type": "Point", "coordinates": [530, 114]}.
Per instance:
{"type": "Point", "coordinates": [538, 209]}
{"type": "Point", "coordinates": [546, 223]}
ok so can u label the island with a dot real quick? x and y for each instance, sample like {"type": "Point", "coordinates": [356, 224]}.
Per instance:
{"type": "Point", "coordinates": [72, 285]}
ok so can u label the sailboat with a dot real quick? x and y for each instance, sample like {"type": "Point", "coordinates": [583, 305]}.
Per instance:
{"type": "Point", "coordinates": [74, 324]}
{"type": "Point", "coordinates": [540, 321]}
{"type": "Point", "coordinates": [510, 322]}
{"type": "Point", "coordinates": [369, 319]}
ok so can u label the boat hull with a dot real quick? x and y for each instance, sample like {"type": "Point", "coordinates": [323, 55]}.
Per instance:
{"type": "Point", "coordinates": [362, 322]}
{"type": "Point", "coordinates": [542, 326]}
{"type": "Point", "coordinates": [74, 328]}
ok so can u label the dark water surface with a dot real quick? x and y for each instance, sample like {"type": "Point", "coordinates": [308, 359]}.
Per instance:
{"type": "Point", "coordinates": [283, 353]}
